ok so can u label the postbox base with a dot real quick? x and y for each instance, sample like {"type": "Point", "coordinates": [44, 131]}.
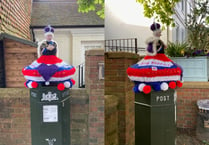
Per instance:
{"type": "Point", "coordinates": [155, 118]}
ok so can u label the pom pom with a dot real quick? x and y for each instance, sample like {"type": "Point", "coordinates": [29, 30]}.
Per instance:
{"type": "Point", "coordinates": [141, 86]}
{"type": "Point", "coordinates": [60, 87]}
{"type": "Point", "coordinates": [67, 84]}
{"type": "Point", "coordinates": [179, 84]}
{"type": "Point", "coordinates": [172, 85]}
{"type": "Point", "coordinates": [25, 84]}
{"type": "Point", "coordinates": [135, 89]}
{"type": "Point", "coordinates": [164, 86]}
{"type": "Point", "coordinates": [73, 81]}
{"type": "Point", "coordinates": [29, 84]}
{"type": "Point", "coordinates": [46, 83]}
{"type": "Point", "coordinates": [147, 89]}
{"type": "Point", "coordinates": [156, 87]}
{"type": "Point", "coordinates": [34, 84]}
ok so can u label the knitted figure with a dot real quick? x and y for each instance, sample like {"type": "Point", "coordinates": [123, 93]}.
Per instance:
{"type": "Point", "coordinates": [155, 71]}
{"type": "Point", "coordinates": [48, 69]}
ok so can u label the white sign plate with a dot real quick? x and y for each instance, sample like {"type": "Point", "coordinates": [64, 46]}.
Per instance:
{"type": "Point", "coordinates": [50, 113]}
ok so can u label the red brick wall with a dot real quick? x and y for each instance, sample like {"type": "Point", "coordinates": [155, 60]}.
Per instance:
{"type": "Point", "coordinates": [118, 84]}
{"type": "Point", "coordinates": [187, 103]}
{"type": "Point", "coordinates": [111, 120]}
{"type": "Point", "coordinates": [17, 55]}
{"type": "Point", "coordinates": [15, 17]}
{"type": "Point", "coordinates": [95, 89]}
{"type": "Point", "coordinates": [15, 117]}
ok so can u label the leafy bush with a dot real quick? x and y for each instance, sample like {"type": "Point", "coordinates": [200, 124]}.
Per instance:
{"type": "Point", "coordinates": [183, 50]}
{"type": "Point", "coordinates": [198, 26]}
{"type": "Point", "coordinates": [176, 49]}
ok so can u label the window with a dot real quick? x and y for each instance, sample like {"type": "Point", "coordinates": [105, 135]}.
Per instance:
{"type": "Point", "coordinates": [183, 6]}
{"type": "Point", "coordinates": [182, 35]}
{"type": "Point", "coordinates": [177, 33]}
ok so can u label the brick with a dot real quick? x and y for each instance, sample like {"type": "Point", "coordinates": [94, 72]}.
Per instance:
{"type": "Point", "coordinates": [16, 19]}
{"type": "Point", "coordinates": [118, 84]}
{"type": "Point", "coordinates": [95, 89]}
{"type": "Point", "coordinates": [15, 117]}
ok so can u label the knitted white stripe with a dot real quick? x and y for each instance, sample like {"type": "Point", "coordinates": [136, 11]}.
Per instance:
{"type": "Point", "coordinates": [52, 79]}
{"type": "Point", "coordinates": [154, 62]}
{"type": "Point", "coordinates": [155, 79]}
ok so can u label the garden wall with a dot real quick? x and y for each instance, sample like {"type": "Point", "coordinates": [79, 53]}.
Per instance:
{"type": "Point", "coordinates": [118, 84]}
{"type": "Point", "coordinates": [187, 98]}
{"type": "Point", "coordinates": [15, 117]}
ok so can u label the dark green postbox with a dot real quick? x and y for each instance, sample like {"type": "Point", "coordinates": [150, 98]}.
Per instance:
{"type": "Point", "coordinates": [155, 118]}
{"type": "Point", "coordinates": [50, 116]}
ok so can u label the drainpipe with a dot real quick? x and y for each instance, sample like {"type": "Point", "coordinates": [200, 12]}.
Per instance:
{"type": "Point", "coordinates": [33, 34]}
{"type": "Point", "coordinates": [167, 34]}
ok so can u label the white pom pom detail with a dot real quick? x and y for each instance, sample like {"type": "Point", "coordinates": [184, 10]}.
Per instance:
{"type": "Point", "coordinates": [47, 83]}
{"type": "Point", "coordinates": [141, 86]}
{"type": "Point", "coordinates": [67, 84]}
{"type": "Point", "coordinates": [164, 86]}
{"type": "Point", "coordinates": [29, 85]}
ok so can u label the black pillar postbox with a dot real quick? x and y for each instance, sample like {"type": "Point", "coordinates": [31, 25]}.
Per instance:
{"type": "Point", "coordinates": [155, 118]}
{"type": "Point", "coordinates": [50, 116]}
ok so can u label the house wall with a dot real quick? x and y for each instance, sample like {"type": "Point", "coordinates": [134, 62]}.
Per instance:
{"type": "Point", "coordinates": [182, 9]}
{"type": "Point", "coordinates": [15, 17]}
{"type": "Point", "coordinates": [17, 55]}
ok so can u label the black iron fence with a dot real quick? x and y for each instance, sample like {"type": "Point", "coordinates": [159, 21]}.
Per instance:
{"type": "Point", "coordinates": [123, 45]}
{"type": "Point", "coordinates": [81, 75]}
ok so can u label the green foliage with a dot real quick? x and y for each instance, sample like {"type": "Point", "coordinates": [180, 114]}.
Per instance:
{"type": "Point", "coordinates": [161, 10]}
{"type": "Point", "coordinates": [183, 50]}
{"type": "Point", "coordinates": [86, 6]}
{"type": "Point", "coordinates": [176, 49]}
{"type": "Point", "coordinates": [197, 25]}
{"type": "Point", "coordinates": [205, 142]}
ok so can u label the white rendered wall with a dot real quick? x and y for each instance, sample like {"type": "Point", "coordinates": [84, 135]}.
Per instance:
{"type": "Point", "coordinates": [125, 19]}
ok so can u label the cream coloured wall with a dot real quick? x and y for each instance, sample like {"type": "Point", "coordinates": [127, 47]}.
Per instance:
{"type": "Point", "coordinates": [125, 19]}
{"type": "Point", "coordinates": [84, 35]}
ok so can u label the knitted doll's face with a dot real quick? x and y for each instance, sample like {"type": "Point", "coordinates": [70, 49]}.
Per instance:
{"type": "Point", "coordinates": [49, 37]}
{"type": "Point", "coordinates": [157, 33]}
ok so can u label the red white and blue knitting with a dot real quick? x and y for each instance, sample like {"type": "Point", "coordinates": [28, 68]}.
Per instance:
{"type": "Point", "coordinates": [48, 69]}
{"type": "Point", "coordinates": [155, 71]}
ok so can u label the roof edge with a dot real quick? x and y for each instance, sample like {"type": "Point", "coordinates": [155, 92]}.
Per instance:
{"type": "Point", "coordinates": [24, 41]}
{"type": "Point", "coordinates": [69, 26]}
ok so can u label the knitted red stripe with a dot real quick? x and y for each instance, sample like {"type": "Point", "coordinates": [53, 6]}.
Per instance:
{"type": "Point", "coordinates": [49, 59]}
{"type": "Point", "coordinates": [161, 57]}
{"type": "Point", "coordinates": [150, 73]}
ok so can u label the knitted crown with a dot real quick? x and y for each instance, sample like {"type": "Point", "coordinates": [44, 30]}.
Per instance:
{"type": "Point", "coordinates": [48, 30]}
{"type": "Point", "coordinates": [155, 26]}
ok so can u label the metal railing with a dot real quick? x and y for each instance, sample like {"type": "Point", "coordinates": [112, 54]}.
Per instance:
{"type": "Point", "coordinates": [81, 75]}
{"type": "Point", "coordinates": [121, 45]}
